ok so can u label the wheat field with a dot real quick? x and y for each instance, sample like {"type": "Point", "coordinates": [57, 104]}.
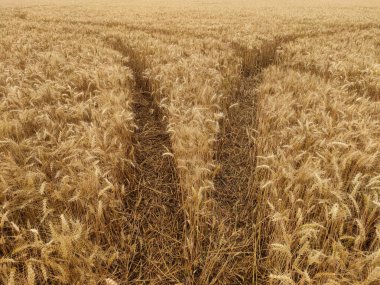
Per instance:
{"type": "Point", "coordinates": [190, 142]}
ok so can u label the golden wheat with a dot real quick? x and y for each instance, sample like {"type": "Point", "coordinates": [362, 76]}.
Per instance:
{"type": "Point", "coordinates": [189, 142]}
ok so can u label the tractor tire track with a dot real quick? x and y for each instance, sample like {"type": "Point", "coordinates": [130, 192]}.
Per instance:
{"type": "Point", "coordinates": [156, 185]}
{"type": "Point", "coordinates": [235, 184]}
